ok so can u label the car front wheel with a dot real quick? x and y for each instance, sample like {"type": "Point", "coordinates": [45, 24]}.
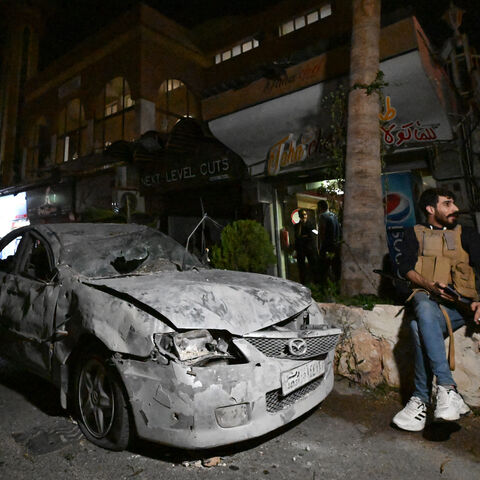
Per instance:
{"type": "Point", "coordinates": [100, 403]}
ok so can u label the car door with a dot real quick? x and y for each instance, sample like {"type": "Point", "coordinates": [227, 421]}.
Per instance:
{"type": "Point", "coordinates": [28, 299]}
{"type": "Point", "coordinates": [10, 251]}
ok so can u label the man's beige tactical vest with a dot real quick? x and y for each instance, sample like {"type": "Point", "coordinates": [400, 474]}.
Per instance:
{"type": "Point", "coordinates": [442, 259]}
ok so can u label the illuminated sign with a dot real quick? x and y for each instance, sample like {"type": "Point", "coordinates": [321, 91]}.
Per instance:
{"type": "Point", "coordinates": [180, 172]}
{"type": "Point", "coordinates": [289, 151]}
{"type": "Point", "coordinates": [395, 134]}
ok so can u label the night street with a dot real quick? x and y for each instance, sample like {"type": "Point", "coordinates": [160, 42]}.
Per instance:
{"type": "Point", "coordinates": [349, 436]}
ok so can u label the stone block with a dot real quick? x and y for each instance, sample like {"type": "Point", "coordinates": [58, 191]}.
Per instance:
{"type": "Point", "coordinates": [375, 349]}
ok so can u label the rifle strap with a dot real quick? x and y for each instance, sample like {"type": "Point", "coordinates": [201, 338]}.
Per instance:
{"type": "Point", "coordinates": [451, 344]}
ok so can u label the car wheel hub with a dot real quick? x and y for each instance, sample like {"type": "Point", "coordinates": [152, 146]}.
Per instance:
{"type": "Point", "coordinates": [96, 398]}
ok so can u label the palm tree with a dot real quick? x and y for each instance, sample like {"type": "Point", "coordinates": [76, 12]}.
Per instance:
{"type": "Point", "coordinates": [364, 243]}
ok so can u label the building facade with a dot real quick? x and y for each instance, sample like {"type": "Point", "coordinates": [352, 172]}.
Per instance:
{"type": "Point", "coordinates": [231, 118]}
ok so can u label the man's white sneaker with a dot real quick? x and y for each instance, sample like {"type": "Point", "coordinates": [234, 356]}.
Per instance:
{"type": "Point", "coordinates": [450, 405]}
{"type": "Point", "coordinates": [413, 416]}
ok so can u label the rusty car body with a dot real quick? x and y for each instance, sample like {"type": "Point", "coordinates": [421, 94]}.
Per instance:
{"type": "Point", "coordinates": [142, 339]}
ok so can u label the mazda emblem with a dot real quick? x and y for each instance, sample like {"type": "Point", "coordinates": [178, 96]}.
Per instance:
{"type": "Point", "coordinates": [297, 346]}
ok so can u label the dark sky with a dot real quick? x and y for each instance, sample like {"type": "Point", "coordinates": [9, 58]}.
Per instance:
{"type": "Point", "coordinates": [76, 19]}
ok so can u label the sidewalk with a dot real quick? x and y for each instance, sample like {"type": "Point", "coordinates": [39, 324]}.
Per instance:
{"type": "Point", "coordinates": [375, 408]}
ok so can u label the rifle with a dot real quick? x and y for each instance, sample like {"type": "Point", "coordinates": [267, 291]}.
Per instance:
{"type": "Point", "coordinates": [449, 289]}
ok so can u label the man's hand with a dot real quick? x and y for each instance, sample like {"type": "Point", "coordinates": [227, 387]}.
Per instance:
{"type": "Point", "coordinates": [432, 287]}
{"type": "Point", "coordinates": [439, 289]}
{"type": "Point", "coordinates": [475, 306]}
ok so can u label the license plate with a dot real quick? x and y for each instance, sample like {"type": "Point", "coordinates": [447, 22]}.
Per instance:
{"type": "Point", "coordinates": [297, 377]}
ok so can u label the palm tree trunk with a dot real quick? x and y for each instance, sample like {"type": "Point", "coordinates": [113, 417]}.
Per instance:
{"type": "Point", "coordinates": [364, 243]}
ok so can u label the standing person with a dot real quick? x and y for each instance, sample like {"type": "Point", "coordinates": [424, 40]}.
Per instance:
{"type": "Point", "coordinates": [434, 255]}
{"type": "Point", "coordinates": [329, 234]}
{"type": "Point", "coordinates": [306, 246]}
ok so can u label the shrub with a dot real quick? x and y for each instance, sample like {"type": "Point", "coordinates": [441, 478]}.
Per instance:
{"type": "Point", "coordinates": [245, 246]}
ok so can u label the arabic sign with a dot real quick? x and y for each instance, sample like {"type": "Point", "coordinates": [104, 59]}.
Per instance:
{"type": "Point", "coordinates": [292, 150]}
{"type": "Point", "coordinates": [271, 131]}
{"type": "Point", "coordinates": [397, 134]}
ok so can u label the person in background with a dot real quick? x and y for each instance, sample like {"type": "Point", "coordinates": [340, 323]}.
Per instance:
{"type": "Point", "coordinates": [306, 247]}
{"type": "Point", "coordinates": [329, 234]}
{"type": "Point", "coordinates": [440, 259]}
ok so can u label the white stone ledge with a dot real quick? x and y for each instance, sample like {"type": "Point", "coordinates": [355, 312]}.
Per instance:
{"type": "Point", "coordinates": [376, 348]}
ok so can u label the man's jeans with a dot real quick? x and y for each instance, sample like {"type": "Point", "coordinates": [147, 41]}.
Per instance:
{"type": "Point", "coordinates": [429, 329]}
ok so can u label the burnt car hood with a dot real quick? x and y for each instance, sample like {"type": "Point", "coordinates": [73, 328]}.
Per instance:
{"type": "Point", "coordinates": [212, 299]}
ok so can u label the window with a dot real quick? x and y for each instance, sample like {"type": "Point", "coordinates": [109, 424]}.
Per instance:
{"type": "Point", "coordinates": [238, 49]}
{"type": "Point", "coordinates": [114, 114]}
{"type": "Point", "coordinates": [38, 147]}
{"type": "Point", "coordinates": [72, 132]}
{"type": "Point", "coordinates": [37, 264]}
{"type": "Point", "coordinates": [175, 101]}
{"type": "Point", "coordinates": [303, 20]}
{"type": "Point", "coordinates": [7, 255]}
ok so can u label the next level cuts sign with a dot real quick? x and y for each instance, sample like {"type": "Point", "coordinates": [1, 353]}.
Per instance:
{"type": "Point", "coordinates": [174, 173]}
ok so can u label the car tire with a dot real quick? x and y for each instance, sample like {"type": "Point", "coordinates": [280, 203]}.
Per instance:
{"type": "Point", "coordinates": [100, 403]}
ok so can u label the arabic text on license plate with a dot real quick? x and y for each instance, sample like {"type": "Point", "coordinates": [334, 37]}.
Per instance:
{"type": "Point", "coordinates": [301, 375]}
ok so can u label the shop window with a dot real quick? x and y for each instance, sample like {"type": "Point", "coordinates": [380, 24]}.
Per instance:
{"type": "Point", "coordinates": [175, 101]}
{"type": "Point", "coordinates": [72, 132]}
{"type": "Point", "coordinates": [239, 48]}
{"type": "Point", "coordinates": [38, 148]}
{"type": "Point", "coordinates": [301, 21]}
{"type": "Point", "coordinates": [114, 114]}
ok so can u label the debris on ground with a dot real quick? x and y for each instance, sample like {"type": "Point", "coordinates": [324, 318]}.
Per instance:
{"type": "Point", "coordinates": [211, 462]}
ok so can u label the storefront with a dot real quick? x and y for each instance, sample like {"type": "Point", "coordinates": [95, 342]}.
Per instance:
{"type": "Point", "coordinates": [282, 140]}
{"type": "Point", "coordinates": [179, 188]}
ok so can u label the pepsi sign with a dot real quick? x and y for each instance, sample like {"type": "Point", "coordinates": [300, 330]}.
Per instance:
{"type": "Point", "coordinates": [398, 200]}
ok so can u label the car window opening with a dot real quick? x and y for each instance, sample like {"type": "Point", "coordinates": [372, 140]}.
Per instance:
{"type": "Point", "coordinates": [123, 266]}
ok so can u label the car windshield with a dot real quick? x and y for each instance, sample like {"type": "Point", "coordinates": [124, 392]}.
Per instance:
{"type": "Point", "coordinates": [96, 250]}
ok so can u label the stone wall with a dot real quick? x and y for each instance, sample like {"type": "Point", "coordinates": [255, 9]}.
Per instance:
{"type": "Point", "coordinates": [376, 349]}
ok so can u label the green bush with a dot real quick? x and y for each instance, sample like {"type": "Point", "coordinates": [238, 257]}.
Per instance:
{"type": "Point", "coordinates": [245, 246]}
{"type": "Point", "coordinates": [330, 293]}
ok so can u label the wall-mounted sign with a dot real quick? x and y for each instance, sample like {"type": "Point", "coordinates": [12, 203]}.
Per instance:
{"type": "Point", "coordinates": [295, 216]}
{"type": "Point", "coordinates": [399, 133]}
{"type": "Point", "coordinates": [398, 199]}
{"type": "Point", "coordinates": [14, 212]}
{"type": "Point", "coordinates": [51, 201]}
{"type": "Point", "coordinates": [293, 149]}
{"type": "Point", "coordinates": [180, 172]}
{"type": "Point", "coordinates": [270, 131]}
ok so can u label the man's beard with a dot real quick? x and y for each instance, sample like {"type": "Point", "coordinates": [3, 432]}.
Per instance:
{"type": "Point", "coordinates": [447, 221]}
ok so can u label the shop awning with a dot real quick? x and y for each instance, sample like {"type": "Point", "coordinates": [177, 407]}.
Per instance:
{"type": "Point", "coordinates": [418, 101]}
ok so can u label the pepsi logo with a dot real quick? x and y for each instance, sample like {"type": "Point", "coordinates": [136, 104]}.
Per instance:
{"type": "Point", "coordinates": [398, 207]}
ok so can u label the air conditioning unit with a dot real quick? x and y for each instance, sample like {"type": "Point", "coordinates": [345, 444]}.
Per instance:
{"type": "Point", "coordinates": [130, 198]}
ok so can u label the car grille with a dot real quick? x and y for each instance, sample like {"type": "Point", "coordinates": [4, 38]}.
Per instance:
{"type": "Point", "coordinates": [278, 347]}
{"type": "Point", "coordinates": [276, 402]}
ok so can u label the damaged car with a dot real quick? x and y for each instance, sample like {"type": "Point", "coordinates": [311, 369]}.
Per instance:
{"type": "Point", "coordinates": [143, 340]}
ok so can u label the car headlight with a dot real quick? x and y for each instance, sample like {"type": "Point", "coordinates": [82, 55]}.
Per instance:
{"type": "Point", "coordinates": [195, 347]}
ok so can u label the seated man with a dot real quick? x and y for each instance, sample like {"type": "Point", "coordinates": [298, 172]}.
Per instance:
{"type": "Point", "coordinates": [435, 255]}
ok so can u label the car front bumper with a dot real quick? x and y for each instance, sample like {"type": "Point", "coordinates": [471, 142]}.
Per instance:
{"type": "Point", "coordinates": [205, 407]}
